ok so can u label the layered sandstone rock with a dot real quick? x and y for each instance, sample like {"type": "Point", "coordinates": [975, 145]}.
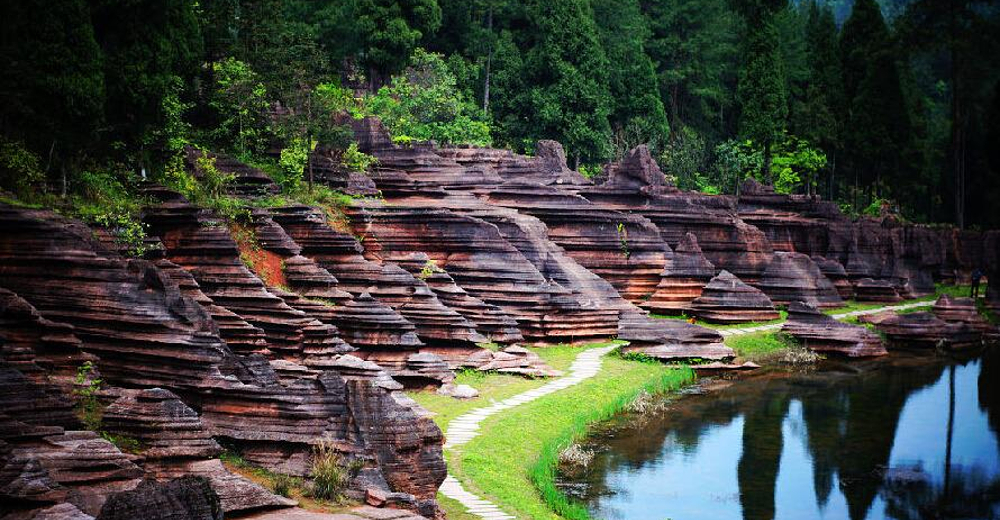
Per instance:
{"type": "Point", "coordinates": [671, 340]}
{"type": "Point", "coordinates": [962, 310]}
{"type": "Point", "coordinates": [247, 180]}
{"type": "Point", "coordinates": [726, 299]}
{"type": "Point", "coordinates": [626, 250]}
{"type": "Point", "coordinates": [512, 360]}
{"type": "Point", "coordinates": [878, 291]}
{"type": "Point", "coordinates": [683, 278]}
{"type": "Point", "coordinates": [835, 272]}
{"type": "Point", "coordinates": [190, 498]}
{"type": "Point", "coordinates": [794, 277]}
{"type": "Point", "coordinates": [147, 332]}
{"type": "Point", "coordinates": [823, 334]}
{"type": "Point", "coordinates": [924, 330]}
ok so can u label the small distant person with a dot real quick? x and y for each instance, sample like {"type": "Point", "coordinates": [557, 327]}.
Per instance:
{"type": "Point", "coordinates": [977, 276]}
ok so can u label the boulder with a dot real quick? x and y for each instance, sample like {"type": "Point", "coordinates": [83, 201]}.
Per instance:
{"type": "Point", "coordinates": [924, 330]}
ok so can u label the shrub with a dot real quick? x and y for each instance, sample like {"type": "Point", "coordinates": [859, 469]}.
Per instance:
{"type": "Point", "coordinates": [357, 161]}
{"type": "Point", "coordinates": [424, 103]}
{"type": "Point", "coordinates": [282, 484]}
{"type": "Point", "coordinates": [20, 169]}
{"type": "Point", "coordinates": [329, 474]}
{"type": "Point", "coordinates": [86, 386]}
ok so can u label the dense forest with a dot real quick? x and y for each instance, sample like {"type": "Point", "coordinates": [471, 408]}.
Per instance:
{"type": "Point", "coordinates": [893, 104]}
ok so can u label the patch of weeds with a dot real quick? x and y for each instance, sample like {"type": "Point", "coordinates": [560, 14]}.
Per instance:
{"type": "Point", "coordinates": [330, 474]}
{"type": "Point", "coordinates": [623, 240]}
{"type": "Point", "coordinates": [575, 459]}
{"type": "Point", "coordinates": [86, 387]}
{"type": "Point", "coordinates": [430, 267]}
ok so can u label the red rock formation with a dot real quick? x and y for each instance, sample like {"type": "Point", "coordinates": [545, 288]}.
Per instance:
{"type": "Point", "coordinates": [794, 277]}
{"type": "Point", "coordinates": [880, 291]}
{"type": "Point", "coordinates": [147, 333]}
{"type": "Point", "coordinates": [671, 340]}
{"type": "Point", "coordinates": [626, 250]}
{"type": "Point", "coordinates": [961, 310]}
{"type": "Point", "coordinates": [682, 279]}
{"type": "Point", "coordinates": [726, 299]}
{"type": "Point", "coordinates": [835, 272]}
{"type": "Point", "coordinates": [821, 333]}
{"type": "Point", "coordinates": [923, 330]}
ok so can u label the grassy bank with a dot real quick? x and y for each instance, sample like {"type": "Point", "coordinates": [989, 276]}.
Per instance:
{"type": "Point", "coordinates": [513, 465]}
{"type": "Point", "coordinates": [492, 386]}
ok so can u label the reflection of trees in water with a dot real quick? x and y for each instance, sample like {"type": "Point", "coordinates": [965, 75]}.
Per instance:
{"type": "Point", "coordinates": [989, 389]}
{"type": "Point", "coordinates": [758, 467]}
{"type": "Point", "coordinates": [971, 494]}
{"type": "Point", "coordinates": [850, 426]}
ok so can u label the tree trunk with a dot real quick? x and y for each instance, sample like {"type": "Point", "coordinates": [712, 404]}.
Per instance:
{"type": "Point", "coordinates": [957, 122]}
{"type": "Point", "coordinates": [767, 164]}
{"type": "Point", "coordinates": [489, 61]}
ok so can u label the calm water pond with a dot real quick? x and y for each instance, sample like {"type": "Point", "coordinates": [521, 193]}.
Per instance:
{"type": "Point", "coordinates": [833, 444]}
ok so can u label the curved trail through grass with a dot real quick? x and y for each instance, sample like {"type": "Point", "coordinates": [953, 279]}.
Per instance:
{"type": "Point", "coordinates": [587, 364]}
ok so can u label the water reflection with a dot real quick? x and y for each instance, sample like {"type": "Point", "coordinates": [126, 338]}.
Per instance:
{"type": "Point", "coordinates": [865, 445]}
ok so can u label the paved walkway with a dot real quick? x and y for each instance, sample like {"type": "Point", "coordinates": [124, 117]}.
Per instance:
{"type": "Point", "coordinates": [775, 326]}
{"type": "Point", "coordinates": [465, 427]}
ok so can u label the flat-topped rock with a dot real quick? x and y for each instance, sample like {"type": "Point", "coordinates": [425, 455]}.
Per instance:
{"type": "Point", "coordinates": [924, 330]}
{"type": "Point", "coordinates": [191, 498]}
{"type": "Point", "coordinates": [877, 291]}
{"type": "Point", "coordinates": [671, 340]}
{"type": "Point", "coordinates": [822, 333]}
{"type": "Point", "coordinates": [726, 299]}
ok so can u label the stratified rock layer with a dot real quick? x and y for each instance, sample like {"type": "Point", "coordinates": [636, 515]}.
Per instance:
{"type": "Point", "coordinates": [683, 278]}
{"type": "Point", "coordinates": [823, 334]}
{"type": "Point", "coordinates": [726, 299]}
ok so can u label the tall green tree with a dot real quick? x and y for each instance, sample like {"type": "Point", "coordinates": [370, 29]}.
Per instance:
{"type": "Point", "coordinates": [693, 46]}
{"type": "Point", "coordinates": [637, 113]}
{"type": "Point", "coordinates": [816, 116]}
{"type": "Point", "coordinates": [877, 120]}
{"type": "Point", "coordinates": [762, 90]}
{"type": "Point", "coordinates": [148, 45]}
{"type": "Point", "coordinates": [552, 80]}
{"type": "Point", "coordinates": [957, 29]}
{"type": "Point", "coordinates": [53, 84]}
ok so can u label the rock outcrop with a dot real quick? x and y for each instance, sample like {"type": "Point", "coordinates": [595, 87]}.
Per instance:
{"type": "Point", "coordinates": [726, 299]}
{"type": "Point", "coordinates": [794, 277]}
{"type": "Point", "coordinates": [684, 277]}
{"type": "Point", "coordinates": [821, 333]}
{"type": "Point", "coordinates": [924, 330]}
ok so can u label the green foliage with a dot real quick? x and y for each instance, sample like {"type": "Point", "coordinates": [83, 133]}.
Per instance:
{"type": "Point", "coordinates": [762, 89]}
{"type": "Point", "coordinates": [330, 474]}
{"type": "Point", "coordinates": [53, 81]}
{"type": "Point", "coordinates": [357, 161]}
{"type": "Point", "coordinates": [796, 161]}
{"type": "Point", "coordinates": [86, 387]}
{"type": "Point", "coordinates": [551, 80]}
{"type": "Point", "coordinates": [283, 484]}
{"type": "Point", "coordinates": [637, 115]}
{"type": "Point", "coordinates": [735, 160]}
{"type": "Point", "coordinates": [104, 196]}
{"type": "Point", "coordinates": [623, 240]}
{"type": "Point", "coordinates": [292, 161]}
{"type": "Point", "coordinates": [423, 103]}
{"type": "Point", "coordinates": [20, 169]}
{"type": "Point", "coordinates": [240, 100]}
{"type": "Point", "coordinates": [685, 157]}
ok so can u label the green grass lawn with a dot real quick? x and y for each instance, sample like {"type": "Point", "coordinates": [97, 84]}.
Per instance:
{"type": "Point", "coordinates": [759, 346]}
{"type": "Point", "coordinates": [782, 312]}
{"type": "Point", "coordinates": [514, 459]}
{"type": "Point", "coordinates": [492, 386]}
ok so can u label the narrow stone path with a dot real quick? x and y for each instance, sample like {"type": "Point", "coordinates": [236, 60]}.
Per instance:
{"type": "Point", "coordinates": [776, 326]}
{"type": "Point", "coordinates": [465, 427]}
